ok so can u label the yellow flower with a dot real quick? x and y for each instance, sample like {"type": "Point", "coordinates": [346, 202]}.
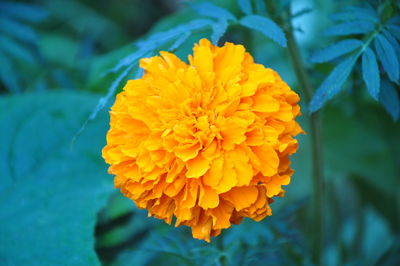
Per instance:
{"type": "Point", "coordinates": [207, 142]}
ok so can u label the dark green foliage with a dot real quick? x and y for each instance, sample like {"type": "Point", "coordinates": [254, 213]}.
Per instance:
{"type": "Point", "coordinates": [377, 45]}
{"type": "Point", "coordinates": [390, 99]}
{"type": "Point", "coordinates": [24, 12]}
{"type": "Point", "coordinates": [387, 57]}
{"type": "Point", "coordinates": [335, 50]}
{"type": "Point", "coordinates": [371, 73]}
{"type": "Point", "coordinates": [266, 27]}
{"type": "Point", "coordinates": [356, 13]}
{"type": "Point", "coordinates": [219, 28]}
{"type": "Point", "coordinates": [18, 40]}
{"type": "Point", "coordinates": [245, 6]}
{"type": "Point", "coordinates": [332, 84]}
{"type": "Point", "coordinates": [51, 191]}
{"type": "Point", "coordinates": [351, 27]}
{"type": "Point", "coordinates": [150, 46]}
{"type": "Point", "coordinates": [213, 11]}
{"type": "Point", "coordinates": [260, 7]}
{"type": "Point", "coordinates": [57, 202]}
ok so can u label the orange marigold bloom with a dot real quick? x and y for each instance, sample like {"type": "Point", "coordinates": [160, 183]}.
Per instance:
{"type": "Point", "coordinates": [207, 142]}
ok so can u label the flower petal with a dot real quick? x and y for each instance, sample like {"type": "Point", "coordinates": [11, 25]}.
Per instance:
{"type": "Point", "coordinates": [208, 197]}
{"type": "Point", "coordinates": [241, 197]}
{"type": "Point", "coordinates": [197, 167]}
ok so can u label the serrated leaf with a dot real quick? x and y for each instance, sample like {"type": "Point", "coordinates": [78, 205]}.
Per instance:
{"type": "Point", "coordinates": [18, 30]}
{"type": "Point", "coordinates": [245, 6]}
{"type": "Point", "coordinates": [22, 11]}
{"type": "Point", "coordinates": [370, 72]}
{"type": "Point", "coordinates": [159, 38]}
{"type": "Point", "coordinates": [15, 50]}
{"type": "Point", "coordinates": [387, 56]}
{"type": "Point", "coordinates": [50, 191]}
{"type": "Point", "coordinates": [335, 50]}
{"type": "Point", "coordinates": [101, 103]}
{"type": "Point", "coordinates": [139, 73]}
{"type": "Point", "coordinates": [147, 47]}
{"type": "Point", "coordinates": [348, 28]}
{"type": "Point", "coordinates": [219, 28]}
{"type": "Point", "coordinates": [210, 10]}
{"type": "Point", "coordinates": [332, 84]}
{"type": "Point", "coordinates": [178, 42]}
{"type": "Point", "coordinates": [8, 76]}
{"type": "Point", "coordinates": [356, 13]}
{"type": "Point", "coordinates": [266, 26]}
{"type": "Point", "coordinates": [130, 59]}
{"type": "Point", "coordinates": [395, 44]}
{"type": "Point", "coordinates": [390, 99]}
{"type": "Point", "coordinates": [395, 30]}
{"type": "Point", "coordinates": [111, 91]}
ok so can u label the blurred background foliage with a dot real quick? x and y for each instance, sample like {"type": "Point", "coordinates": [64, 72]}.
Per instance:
{"type": "Point", "coordinates": [62, 61]}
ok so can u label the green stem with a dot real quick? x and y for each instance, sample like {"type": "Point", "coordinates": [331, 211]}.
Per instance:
{"type": "Point", "coordinates": [316, 144]}
{"type": "Point", "coordinates": [283, 19]}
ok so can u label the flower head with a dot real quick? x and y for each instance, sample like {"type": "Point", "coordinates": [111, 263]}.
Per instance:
{"type": "Point", "coordinates": [206, 142]}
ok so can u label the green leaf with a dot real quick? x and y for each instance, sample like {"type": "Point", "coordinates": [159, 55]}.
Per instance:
{"type": "Point", "coordinates": [8, 75]}
{"type": "Point", "coordinates": [370, 71]}
{"type": "Point", "coordinates": [22, 11]}
{"type": "Point", "coordinates": [147, 47]}
{"type": "Point", "coordinates": [348, 28]}
{"type": "Point", "coordinates": [130, 59]}
{"type": "Point", "coordinates": [335, 50]}
{"type": "Point", "coordinates": [50, 191]}
{"type": "Point", "coordinates": [101, 103]}
{"type": "Point", "coordinates": [266, 27]}
{"type": "Point", "coordinates": [213, 11]}
{"type": "Point", "coordinates": [395, 30]}
{"type": "Point", "coordinates": [159, 38]}
{"type": "Point", "coordinates": [390, 99]}
{"type": "Point", "coordinates": [245, 6]}
{"type": "Point", "coordinates": [219, 28]}
{"type": "Point", "coordinates": [356, 13]}
{"type": "Point", "coordinates": [387, 56]}
{"type": "Point", "coordinates": [395, 44]}
{"type": "Point", "coordinates": [179, 41]}
{"type": "Point", "coordinates": [18, 30]}
{"type": "Point", "coordinates": [332, 84]}
{"type": "Point", "coordinates": [15, 50]}
{"type": "Point", "coordinates": [127, 227]}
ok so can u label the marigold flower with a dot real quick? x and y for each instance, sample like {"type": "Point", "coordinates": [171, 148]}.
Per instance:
{"type": "Point", "coordinates": [207, 142]}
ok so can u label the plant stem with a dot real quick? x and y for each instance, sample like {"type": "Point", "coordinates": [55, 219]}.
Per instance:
{"type": "Point", "coordinates": [316, 143]}
{"type": "Point", "coordinates": [284, 20]}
